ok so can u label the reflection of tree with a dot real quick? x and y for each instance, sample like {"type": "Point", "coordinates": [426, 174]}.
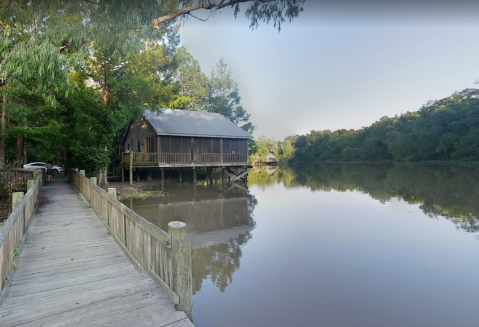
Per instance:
{"type": "Point", "coordinates": [218, 261]}
{"type": "Point", "coordinates": [218, 222]}
{"type": "Point", "coordinates": [446, 191]}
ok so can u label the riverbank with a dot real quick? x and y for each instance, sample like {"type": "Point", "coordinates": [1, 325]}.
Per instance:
{"type": "Point", "coordinates": [139, 190]}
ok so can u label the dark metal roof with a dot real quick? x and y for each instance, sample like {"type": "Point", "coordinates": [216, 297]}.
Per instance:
{"type": "Point", "coordinates": [194, 123]}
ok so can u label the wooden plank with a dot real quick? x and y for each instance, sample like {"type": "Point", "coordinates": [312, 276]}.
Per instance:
{"type": "Point", "coordinates": [166, 288]}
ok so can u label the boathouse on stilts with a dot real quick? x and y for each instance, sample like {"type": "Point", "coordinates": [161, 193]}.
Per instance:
{"type": "Point", "coordinates": [184, 140]}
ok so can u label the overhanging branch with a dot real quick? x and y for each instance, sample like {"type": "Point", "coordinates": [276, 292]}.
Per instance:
{"type": "Point", "coordinates": [191, 8]}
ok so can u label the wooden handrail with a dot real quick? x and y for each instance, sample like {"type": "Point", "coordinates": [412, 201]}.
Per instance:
{"type": "Point", "coordinates": [13, 229]}
{"type": "Point", "coordinates": [148, 246]}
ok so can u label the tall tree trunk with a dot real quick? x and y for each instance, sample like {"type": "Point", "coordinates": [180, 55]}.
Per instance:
{"type": "Point", "coordinates": [103, 173]}
{"type": "Point", "coordinates": [20, 145]}
{"type": "Point", "coordinates": [106, 87]}
{"type": "Point", "coordinates": [2, 140]}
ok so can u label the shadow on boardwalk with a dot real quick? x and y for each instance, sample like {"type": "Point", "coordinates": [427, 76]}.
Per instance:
{"type": "Point", "coordinates": [73, 273]}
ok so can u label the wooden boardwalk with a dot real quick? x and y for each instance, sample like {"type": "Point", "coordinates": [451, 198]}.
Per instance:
{"type": "Point", "coordinates": [73, 273]}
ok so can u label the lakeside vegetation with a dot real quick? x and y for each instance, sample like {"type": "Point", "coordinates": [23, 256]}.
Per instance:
{"type": "Point", "coordinates": [442, 130]}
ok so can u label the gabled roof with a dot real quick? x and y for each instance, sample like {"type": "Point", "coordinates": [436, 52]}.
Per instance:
{"type": "Point", "coordinates": [194, 123]}
{"type": "Point", "coordinates": [270, 156]}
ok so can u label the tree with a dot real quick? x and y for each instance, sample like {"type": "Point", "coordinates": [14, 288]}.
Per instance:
{"type": "Point", "coordinates": [193, 82]}
{"type": "Point", "coordinates": [224, 98]}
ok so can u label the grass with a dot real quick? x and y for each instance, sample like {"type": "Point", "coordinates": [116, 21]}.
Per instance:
{"type": "Point", "coordinates": [17, 250]}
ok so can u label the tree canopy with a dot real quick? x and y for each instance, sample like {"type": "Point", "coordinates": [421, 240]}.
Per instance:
{"type": "Point", "coordinates": [447, 129]}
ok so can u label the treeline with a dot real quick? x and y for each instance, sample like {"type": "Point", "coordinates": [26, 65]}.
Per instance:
{"type": "Point", "coordinates": [447, 129]}
{"type": "Point", "coordinates": [72, 74]}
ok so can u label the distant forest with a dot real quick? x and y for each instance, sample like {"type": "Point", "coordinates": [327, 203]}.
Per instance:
{"type": "Point", "coordinates": [446, 129]}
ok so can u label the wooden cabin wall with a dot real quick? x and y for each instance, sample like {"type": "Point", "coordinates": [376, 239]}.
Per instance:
{"type": "Point", "coordinates": [139, 130]}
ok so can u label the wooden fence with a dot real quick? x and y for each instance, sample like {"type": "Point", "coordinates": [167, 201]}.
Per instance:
{"type": "Point", "coordinates": [20, 175]}
{"type": "Point", "coordinates": [11, 232]}
{"type": "Point", "coordinates": [166, 257]}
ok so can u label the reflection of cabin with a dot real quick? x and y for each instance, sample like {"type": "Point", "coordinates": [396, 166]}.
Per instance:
{"type": "Point", "coordinates": [208, 221]}
{"type": "Point", "coordinates": [271, 158]}
{"type": "Point", "coordinates": [182, 138]}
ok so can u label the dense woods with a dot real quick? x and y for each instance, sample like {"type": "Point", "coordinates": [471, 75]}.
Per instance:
{"type": "Point", "coordinates": [446, 129]}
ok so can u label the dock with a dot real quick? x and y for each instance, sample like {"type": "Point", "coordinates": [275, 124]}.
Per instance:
{"type": "Point", "coordinates": [72, 272]}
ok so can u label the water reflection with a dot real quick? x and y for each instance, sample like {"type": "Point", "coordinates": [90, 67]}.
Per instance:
{"type": "Point", "coordinates": [219, 221]}
{"type": "Point", "coordinates": [441, 190]}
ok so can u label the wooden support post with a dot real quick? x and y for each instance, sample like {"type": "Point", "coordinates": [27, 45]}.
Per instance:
{"type": "Point", "coordinates": [223, 169]}
{"type": "Point", "coordinates": [194, 176]}
{"type": "Point", "coordinates": [182, 276]}
{"type": "Point", "coordinates": [131, 167]}
{"type": "Point", "coordinates": [137, 175]}
{"type": "Point", "coordinates": [35, 173]}
{"type": "Point", "coordinates": [30, 183]}
{"type": "Point", "coordinates": [162, 183]}
{"type": "Point", "coordinates": [93, 180]}
{"type": "Point", "coordinates": [221, 150]}
{"type": "Point", "coordinates": [149, 175]}
{"type": "Point", "coordinates": [181, 176]}
{"type": "Point", "coordinates": [82, 172]}
{"type": "Point", "coordinates": [112, 192]}
{"type": "Point", "coordinates": [16, 198]}
{"type": "Point", "coordinates": [122, 174]}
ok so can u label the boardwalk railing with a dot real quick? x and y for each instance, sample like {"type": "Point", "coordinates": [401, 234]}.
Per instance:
{"type": "Point", "coordinates": [11, 232]}
{"type": "Point", "coordinates": [21, 175]}
{"type": "Point", "coordinates": [166, 257]}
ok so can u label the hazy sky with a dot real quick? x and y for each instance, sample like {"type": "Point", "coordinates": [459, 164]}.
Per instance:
{"type": "Point", "coordinates": [342, 64]}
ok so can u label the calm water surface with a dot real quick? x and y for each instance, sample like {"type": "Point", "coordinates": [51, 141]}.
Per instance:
{"type": "Point", "coordinates": [332, 245]}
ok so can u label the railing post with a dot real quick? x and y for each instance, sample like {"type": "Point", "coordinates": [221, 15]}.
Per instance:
{"type": "Point", "coordinates": [182, 276]}
{"type": "Point", "coordinates": [93, 180]}
{"type": "Point", "coordinates": [16, 198]}
{"type": "Point", "coordinates": [82, 172]}
{"type": "Point", "coordinates": [35, 173]}
{"type": "Point", "coordinates": [30, 183]}
{"type": "Point", "coordinates": [112, 192]}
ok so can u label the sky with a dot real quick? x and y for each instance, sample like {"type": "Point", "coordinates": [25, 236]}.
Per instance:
{"type": "Point", "coordinates": [342, 64]}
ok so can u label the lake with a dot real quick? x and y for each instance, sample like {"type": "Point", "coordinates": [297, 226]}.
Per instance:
{"type": "Point", "coordinates": [332, 245]}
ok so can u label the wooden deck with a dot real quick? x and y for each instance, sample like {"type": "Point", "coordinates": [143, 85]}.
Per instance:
{"type": "Point", "coordinates": [73, 273]}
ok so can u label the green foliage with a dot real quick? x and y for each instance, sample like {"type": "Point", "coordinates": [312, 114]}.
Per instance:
{"type": "Point", "coordinates": [17, 251]}
{"type": "Point", "coordinates": [224, 98]}
{"type": "Point", "coordinates": [447, 129]}
{"type": "Point", "coordinates": [194, 83]}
